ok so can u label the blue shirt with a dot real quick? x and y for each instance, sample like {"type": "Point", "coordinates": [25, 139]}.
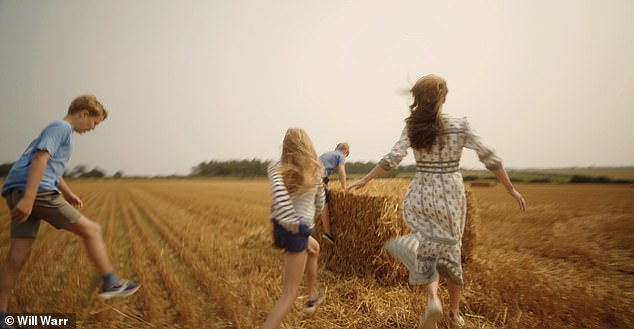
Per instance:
{"type": "Point", "coordinates": [331, 160]}
{"type": "Point", "coordinates": [56, 140]}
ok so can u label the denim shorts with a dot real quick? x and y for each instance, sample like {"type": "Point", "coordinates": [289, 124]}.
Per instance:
{"type": "Point", "coordinates": [48, 206]}
{"type": "Point", "coordinates": [289, 241]}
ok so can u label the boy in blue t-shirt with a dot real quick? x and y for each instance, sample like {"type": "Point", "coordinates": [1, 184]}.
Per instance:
{"type": "Point", "coordinates": [332, 160]}
{"type": "Point", "coordinates": [35, 190]}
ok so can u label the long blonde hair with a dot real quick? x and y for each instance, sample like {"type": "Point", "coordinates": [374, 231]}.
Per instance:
{"type": "Point", "coordinates": [424, 123]}
{"type": "Point", "coordinates": [299, 166]}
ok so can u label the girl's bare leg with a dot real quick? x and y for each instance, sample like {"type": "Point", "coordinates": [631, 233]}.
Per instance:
{"type": "Point", "coordinates": [433, 309]}
{"type": "Point", "coordinates": [311, 267]}
{"type": "Point", "coordinates": [325, 219]}
{"type": "Point", "coordinates": [431, 290]}
{"type": "Point", "coordinates": [454, 296]}
{"type": "Point", "coordinates": [454, 303]}
{"type": "Point", "coordinates": [293, 273]}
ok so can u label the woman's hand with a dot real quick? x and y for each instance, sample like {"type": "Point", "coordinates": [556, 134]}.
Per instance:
{"type": "Point", "coordinates": [519, 198]}
{"type": "Point", "coordinates": [375, 172]}
{"type": "Point", "coordinates": [356, 185]}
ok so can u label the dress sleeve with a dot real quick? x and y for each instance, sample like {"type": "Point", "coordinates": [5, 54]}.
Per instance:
{"type": "Point", "coordinates": [398, 152]}
{"type": "Point", "coordinates": [282, 210]}
{"type": "Point", "coordinates": [486, 154]}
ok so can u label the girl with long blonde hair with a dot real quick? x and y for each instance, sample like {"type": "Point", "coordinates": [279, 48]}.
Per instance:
{"type": "Point", "coordinates": [297, 196]}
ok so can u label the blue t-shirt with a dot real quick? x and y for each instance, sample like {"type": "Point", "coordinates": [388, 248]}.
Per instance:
{"type": "Point", "coordinates": [56, 140]}
{"type": "Point", "coordinates": [331, 160]}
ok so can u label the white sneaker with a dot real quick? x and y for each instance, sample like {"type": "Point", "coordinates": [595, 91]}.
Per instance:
{"type": "Point", "coordinates": [456, 319]}
{"type": "Point", "coordinates": [433, 313]}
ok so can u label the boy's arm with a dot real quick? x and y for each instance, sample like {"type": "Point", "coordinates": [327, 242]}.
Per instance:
{"type": "Point", "coordinates": [73, 199]}
{"type": "Point", "coordinates": [23, 208]}
{"type": "Point", "coordinates": [342, 175]}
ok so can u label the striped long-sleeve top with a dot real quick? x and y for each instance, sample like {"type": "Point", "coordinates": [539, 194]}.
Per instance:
{"type": "Point", "coordinates": [296, 213]}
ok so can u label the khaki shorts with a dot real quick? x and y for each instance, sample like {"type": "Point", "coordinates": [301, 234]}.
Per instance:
{"type": "Point", "coordinates": [48, 206]}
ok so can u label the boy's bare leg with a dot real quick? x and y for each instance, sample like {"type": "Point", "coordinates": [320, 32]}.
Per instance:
{"type": "Point", "coordinates": [90, 232]}
{"type": "Point", "coordinates": [325, 219]}
{"type": "Point", "coordinates": [18, 254]}
{"type": "Point", "coordinates": [311, 267]}
{"type": "Point", "coordinates": [293, 273]}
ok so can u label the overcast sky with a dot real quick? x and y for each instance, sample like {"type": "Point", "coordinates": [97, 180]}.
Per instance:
{"type": "Point", "coordinates": [546, 83]}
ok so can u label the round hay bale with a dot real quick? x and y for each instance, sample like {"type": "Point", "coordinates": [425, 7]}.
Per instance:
{"type": "Point", "coordinates": [363, 221]}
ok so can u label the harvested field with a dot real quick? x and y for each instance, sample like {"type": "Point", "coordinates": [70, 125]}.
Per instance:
{"type": "Point", "coordinates": [202, 250]}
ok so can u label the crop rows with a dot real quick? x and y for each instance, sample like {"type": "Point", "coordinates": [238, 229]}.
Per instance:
{"type": "Point", "coordinates": [202, 251]}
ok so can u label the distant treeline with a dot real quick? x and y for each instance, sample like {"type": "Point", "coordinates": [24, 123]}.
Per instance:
{"type": "Point", "coordinates": [233, 168]}
{"type": "Point", "coordinates": [578, 179]}
{"type": "Point", "coordinates": [255, 168]}
{"type": "Point", "coordinates": [79, 171]}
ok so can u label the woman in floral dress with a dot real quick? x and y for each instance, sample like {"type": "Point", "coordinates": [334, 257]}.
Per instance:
{"type": "Point", "coordinates": [434, 206]}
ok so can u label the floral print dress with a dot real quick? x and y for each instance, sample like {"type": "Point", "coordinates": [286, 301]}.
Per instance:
{"type": "Point", "coordinates": [434, 206]}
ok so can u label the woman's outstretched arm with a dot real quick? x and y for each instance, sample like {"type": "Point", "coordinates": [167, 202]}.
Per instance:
{"type": "Point", "coordinates": [375, 172]}
{"type": "Point", "coordinates": [503, 177]}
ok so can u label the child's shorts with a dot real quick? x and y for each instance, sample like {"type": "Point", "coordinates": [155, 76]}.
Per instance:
{"type": "Point", "coordinates": [288, 241]}
{"type": "Point", "coordinates": [48, 206]}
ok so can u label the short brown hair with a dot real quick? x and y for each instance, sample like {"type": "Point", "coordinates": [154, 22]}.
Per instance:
{"type": "Point", "coordinates": [343, 147]}
{"type": "Point", "coordinates": [90, 103]}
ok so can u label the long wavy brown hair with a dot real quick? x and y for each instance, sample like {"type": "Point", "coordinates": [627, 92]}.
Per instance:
{"type": "Point", "coordinates": [300, 166]}
{"type": "Point", "coordinates": [424, 123]}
